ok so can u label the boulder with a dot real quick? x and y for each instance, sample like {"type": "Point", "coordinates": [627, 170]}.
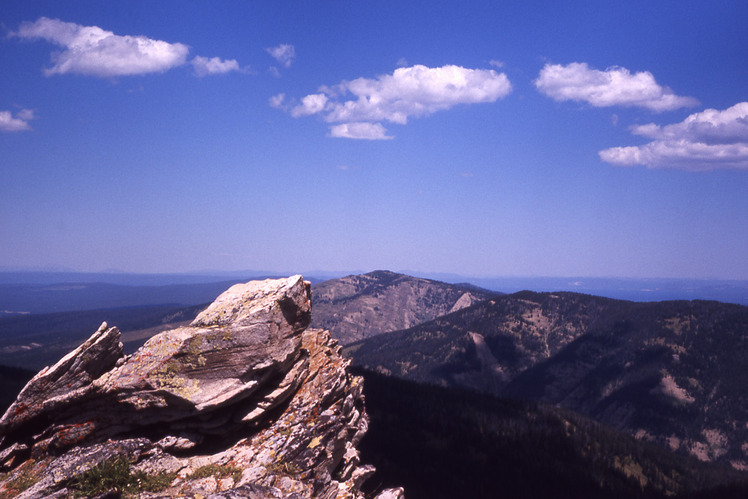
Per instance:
{"type": "Point", "coordinates": [244, 402]}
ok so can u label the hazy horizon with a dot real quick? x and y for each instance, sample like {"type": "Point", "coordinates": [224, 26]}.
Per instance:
{"type": "Point", "coordinates": [475, 139]}
{"type": "Point", "coordinates": [636, 289]}
{"type": "Point", "coordinates": [312, 272]}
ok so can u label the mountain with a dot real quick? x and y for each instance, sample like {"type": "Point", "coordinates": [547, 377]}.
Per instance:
{"type": "Point", "coordinates": [486, 345]}
{"type": "Point", "coordinates": [669, 372]}
{"type": "Point", "coordinates": [244, 402]}
{"type": "Point", "coordinates": [633, 289]}
{"type": "Point", "coordinates": [95, 417]}
{"type": "Point", "coordinates": [360, 306]}
{"type": "Point", "coordinates": [441, 442]}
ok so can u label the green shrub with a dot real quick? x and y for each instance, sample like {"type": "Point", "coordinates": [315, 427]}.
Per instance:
{"type": "Point", "coordinates": [218, 471]}
{"type": "Point", "coordinates": [115, 474]}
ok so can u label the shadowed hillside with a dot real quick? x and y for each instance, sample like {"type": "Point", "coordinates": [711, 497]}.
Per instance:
{"type": "Point", "coordinates": [670, 372]}
{"type": "Point", "coordinates": [447, 443]}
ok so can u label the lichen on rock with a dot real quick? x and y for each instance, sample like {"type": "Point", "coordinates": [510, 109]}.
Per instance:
{"type": "Point", "coordinates": [247, 395]}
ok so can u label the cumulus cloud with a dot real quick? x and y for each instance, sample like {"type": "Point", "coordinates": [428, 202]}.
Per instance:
{"type": "Point", "coordinates": [204, 66]}
{"type": "Point", "coordinates": [704, 141]}
{"type": "Point", "coordinates": [311, 104]}
{"type": "Point", "coordinates": [415, 91]}
{"type": "Point", "coordinates": [283, 53]}
{"type": "Point", "coordinates": [613, 87]}
{"type": "Point", "coordinates": [17, 123]}
{"type": "Point", "coordinates": [368, 131]}
{"type": "Point", "coordinates": [92, 51]}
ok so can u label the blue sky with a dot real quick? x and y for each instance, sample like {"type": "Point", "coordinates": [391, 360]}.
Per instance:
{"type": "Point", "coordinates": [527, 138]}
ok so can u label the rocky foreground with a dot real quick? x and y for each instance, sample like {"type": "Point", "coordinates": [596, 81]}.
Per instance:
{"type": "Point", "coordinates": [246, 402]}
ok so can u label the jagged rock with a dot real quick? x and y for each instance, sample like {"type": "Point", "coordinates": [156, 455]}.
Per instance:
{"type": "Point", "coordinates": [245, 402]}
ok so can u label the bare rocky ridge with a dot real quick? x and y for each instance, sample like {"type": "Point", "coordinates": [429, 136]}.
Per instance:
{"type": "Point", "coordinates": [246, 392]}
{"type": "Point", "coordinates": [360, 306]}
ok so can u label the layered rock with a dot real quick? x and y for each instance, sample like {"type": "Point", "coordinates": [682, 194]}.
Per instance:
{"type": "Point", "coordinates": [245, 402]}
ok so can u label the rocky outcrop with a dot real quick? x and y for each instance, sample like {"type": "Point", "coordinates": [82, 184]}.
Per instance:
{"type": "Point", "coordinates": [245, 402]}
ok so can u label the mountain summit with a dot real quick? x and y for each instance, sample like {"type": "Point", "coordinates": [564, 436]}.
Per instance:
{"type": "Point", "coordinates": [360, 306]}
{"type": "Point", "coordinates": [244, 402]}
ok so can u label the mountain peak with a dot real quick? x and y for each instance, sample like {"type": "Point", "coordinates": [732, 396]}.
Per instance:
{"type": "Point", "coordinates": [359, 306]}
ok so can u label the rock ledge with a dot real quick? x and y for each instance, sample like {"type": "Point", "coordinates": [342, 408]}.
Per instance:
{"type": "Point", "coordinates": [245, 402]}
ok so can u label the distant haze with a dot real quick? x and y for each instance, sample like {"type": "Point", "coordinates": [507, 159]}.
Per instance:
{"type": "Point", "coordinates": [40, 292]}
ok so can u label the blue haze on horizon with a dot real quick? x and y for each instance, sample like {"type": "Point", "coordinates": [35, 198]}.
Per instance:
{"type": "Point", "coordinates": [478, 138]}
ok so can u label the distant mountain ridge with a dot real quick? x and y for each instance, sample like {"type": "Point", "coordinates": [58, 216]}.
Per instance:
{"type": "Point", "coordinates": [620, 288]}
{"type": "Point", "coordinates": [360, 306]}
{"type": "Point", "coordinates": [671, 372]}
{"type": "Point", "coordinates": [49, 292]}
{"type": "Point", "coordinates": [485, 345]}
{"type": "Point", "coordinates": [39, 291]}
{"type": "Point", "coordinates": [20, 299]}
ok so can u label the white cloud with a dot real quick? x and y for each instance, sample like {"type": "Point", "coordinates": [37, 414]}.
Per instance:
{"type": "Point", "coordinates": [90, 50]}
{"type": "Point", "coordinates": [495, 63]}
{"type": "Point", "coordinates": [710, 126]}
{"type": "Point", "coordinates": [368, 131]}
{"type": "Point", "coordinates": [283, 53]}
{"type": "Point", "coordinates": [278, 101]}
{"type": "Point", "coordinates": [311, 104]}
{"type": "Point", "coordinates": [704, 141]}
{"type": "Point", "coordinates": [17, 123]}
{"type": "Point", "coordinates": [204, 66]}
{"type": "Point", "coordinates": [613, 87]}
{"type": "Point", "coordinates": [414, 91]}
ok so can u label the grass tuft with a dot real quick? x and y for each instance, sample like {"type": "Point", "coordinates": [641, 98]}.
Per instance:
{"type": "Point", "coordinates": [116, 475]}
{"type": "Point", "coordinates": [217, 471]}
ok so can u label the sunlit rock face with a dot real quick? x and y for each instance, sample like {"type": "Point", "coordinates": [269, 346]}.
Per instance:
{"type": "Point", "coordinates": [244, 402]}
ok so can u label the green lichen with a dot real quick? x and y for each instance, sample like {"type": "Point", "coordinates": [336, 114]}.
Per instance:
{"type": "Point", "coordinates": [169, 377]}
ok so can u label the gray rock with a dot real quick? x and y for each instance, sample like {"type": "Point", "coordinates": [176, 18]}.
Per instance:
{"type": "Point", "coordinates": [245, 402]}
{"type": "Point", "coordinates": [397, 493]}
